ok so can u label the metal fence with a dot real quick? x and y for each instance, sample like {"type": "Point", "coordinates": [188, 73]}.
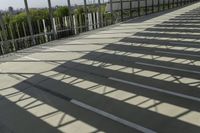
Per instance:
{"type": "Point", "coordinates": [19, 36]}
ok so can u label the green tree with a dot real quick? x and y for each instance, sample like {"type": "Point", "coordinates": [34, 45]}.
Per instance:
{"type": "Point", "coordinates": [34, 14]}
{"type": "Point", "coordinates": [61, 12]}
{"type": "Point", "coordinates": [39, 14]}
{"type": "Point", "coordinates": [19, 18]}
{"type": "Point", "coordinates": [7, 18]}
{"type": "Point", "coordinates": [79, 10]}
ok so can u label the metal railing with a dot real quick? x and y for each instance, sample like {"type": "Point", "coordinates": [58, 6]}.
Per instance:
{"type": "Point", "coordinates": [17, 36]}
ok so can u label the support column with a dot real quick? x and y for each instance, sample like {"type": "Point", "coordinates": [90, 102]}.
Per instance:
{"type": "Point", "coordinates": [29, 21]}
{"type": "Point", "coordinates": [51, 19]}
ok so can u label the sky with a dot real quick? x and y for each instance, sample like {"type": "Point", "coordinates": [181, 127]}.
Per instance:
{"type": "Point", "coordinates": [4, 4]}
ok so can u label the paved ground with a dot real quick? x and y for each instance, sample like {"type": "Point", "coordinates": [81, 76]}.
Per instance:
{"type": "Point", "coordinates": [142, 75]}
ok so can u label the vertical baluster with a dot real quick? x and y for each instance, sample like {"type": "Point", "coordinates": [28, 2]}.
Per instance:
{"type": "Point", "coordinates": [45, 30]}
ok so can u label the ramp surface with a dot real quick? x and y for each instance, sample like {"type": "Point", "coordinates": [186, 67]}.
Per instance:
{"type": "Point", "coordinates": [142, 75]}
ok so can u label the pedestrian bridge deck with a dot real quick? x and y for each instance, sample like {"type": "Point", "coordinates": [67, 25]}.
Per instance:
{"type": "Point", "coordinates": [142, 75]}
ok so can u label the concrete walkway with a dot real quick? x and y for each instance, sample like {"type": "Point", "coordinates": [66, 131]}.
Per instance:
{"type": "Point", "coordinates": [142, 75]}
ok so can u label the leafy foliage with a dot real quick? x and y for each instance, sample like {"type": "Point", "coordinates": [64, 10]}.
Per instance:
{"type": "Point", "coordinates": [79, 10]}
{"type": "Point", "coordinates": [61, 12]}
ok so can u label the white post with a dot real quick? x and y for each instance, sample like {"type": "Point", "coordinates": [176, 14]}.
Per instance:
{"type": "Point", "coordinates": [45, 30]}
{"type": "Point", "coordinates": [75, 28]}
{"type": "Point", "coordinates": [65, 21]}
{"type": "Point", "coordinates": [18, 33]}
{"type": "Point", "coordinates": [99, 14]}
{"type": "Point", "coordinates": [12, 36]}
{"type": "Point", "coordinates": [24, 29]}
{"type": "Point", "coordinates": [98, 19]}
{"type": "Point", "coordinates": [54, 26]}
{"type": "Point", "coordinates": [94, 20]}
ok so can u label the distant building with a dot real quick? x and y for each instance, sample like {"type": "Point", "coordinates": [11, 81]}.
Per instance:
{"type": "Point", "coordinates": [11, 10]}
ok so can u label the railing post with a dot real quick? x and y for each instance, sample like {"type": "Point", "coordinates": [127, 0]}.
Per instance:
{"type": "Point", "coordinates": [163, 5]}
{"type": "Point", "coordinates": [146, 7]}
{"type": "Point", "coordinates": [45, 30]}
{"type": "Point", "coordinates": [158, 5]}
{"type": "Point", "coordinates": [111, 10]}
{"type": "Point", "coordinates": [152, 8]}
{"type": "Point", "coordinates": [2, 35]}
{"type": "Point", "coordinates": [2, 49]}
{"type": "Point", "coordinates": [121, 10]}
{"type": "Point", "coordinates": [69, 6]}
{"type": "Point", "coordinates": [3, 28]}
{"type": "Point", "coordinates": [168, 3]}
{"type": "Point", "coordinates": [139, 8]}
{"type": "Point", "coordinates": [86, 15]}
{"type": "Point", "coordinates": [17, 29]}
{"type": "Point", "coordinates": [29, 21]}
{"type": "Point", "coordinates": [51, 19]}
{"type": "Point", "coordinates": [99, 14]}
{"type": "Point", "coordinates": [70, 13]}
{"type": "Point", "coordinates": [131, 8]}
{"type": "Point", "coordinates": [12, 36]}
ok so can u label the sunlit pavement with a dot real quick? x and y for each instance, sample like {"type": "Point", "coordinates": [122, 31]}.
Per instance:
{"type": "Point", "coordinates": [142, 75]}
